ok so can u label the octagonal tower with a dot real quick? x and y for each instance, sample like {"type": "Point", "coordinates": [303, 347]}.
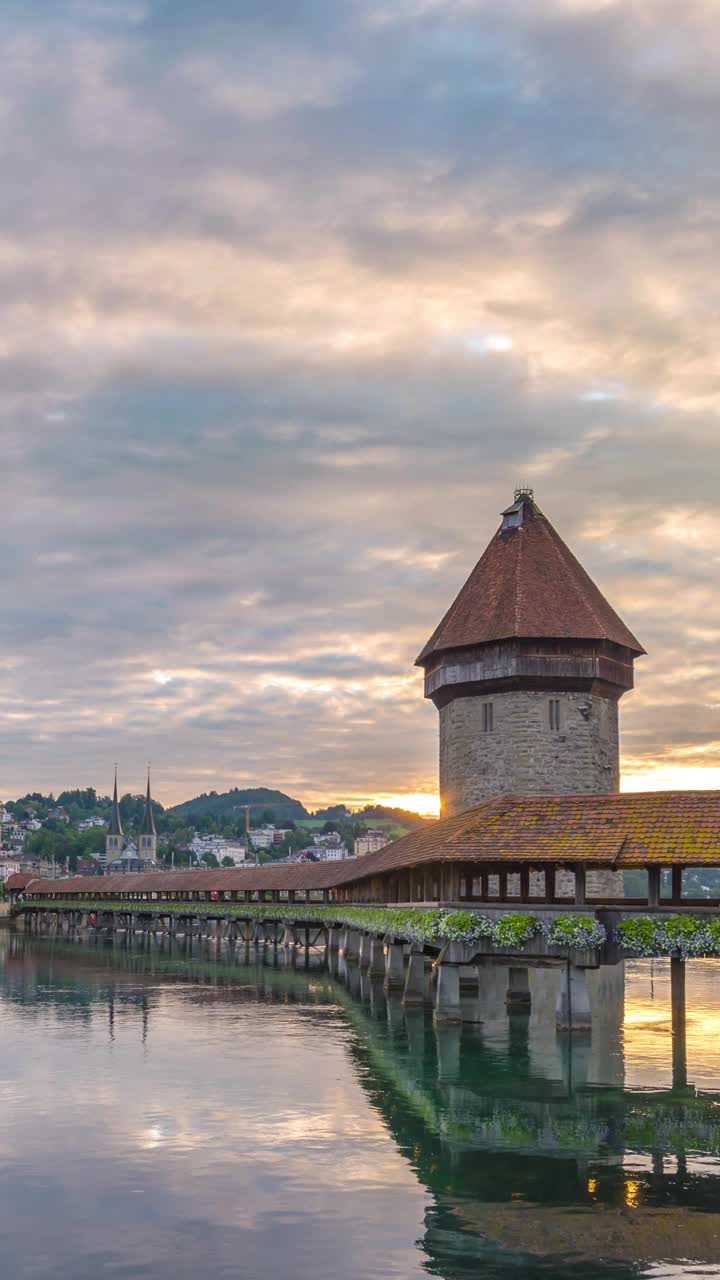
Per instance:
{"type": "Point", "coordinates": [527, 669]}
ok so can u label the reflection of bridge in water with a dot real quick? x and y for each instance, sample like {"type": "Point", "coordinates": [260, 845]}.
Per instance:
{"type": "Point", "coordinates": [528, 1141]}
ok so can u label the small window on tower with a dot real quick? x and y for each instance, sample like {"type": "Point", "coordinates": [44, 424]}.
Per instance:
{"type": "Point", "coordinates": [555, 714]}
{"type": "Point", "coordinates": [487, 717]}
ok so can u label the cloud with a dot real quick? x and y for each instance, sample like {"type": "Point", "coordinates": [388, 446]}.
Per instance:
{"type": "Point", "coordinates": [290, 299]}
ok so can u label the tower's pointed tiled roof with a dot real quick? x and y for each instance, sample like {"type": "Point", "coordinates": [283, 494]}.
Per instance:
{"type": "Point", "coordinates": [148, 822]}
{"type": "Point", "coordinates": [115, 828]}
{"type": "Point", "coordinates": [528, 585]}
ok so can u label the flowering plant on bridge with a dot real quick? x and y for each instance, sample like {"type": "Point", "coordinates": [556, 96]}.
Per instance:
{"type": "Point", "coordinates": [515, 929]}
{"type": "Point", "coordinates": [669, 935]}
{"type": "Point", "coordinates": [582, 933]}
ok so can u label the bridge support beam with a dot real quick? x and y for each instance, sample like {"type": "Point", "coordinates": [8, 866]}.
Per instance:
{"type": "Point", "coordinates": [351, 944]}
{"type": "Point", "coordinates": [447, 993]}
{"type": "Point", "coordinates": [333, 939]}
{"type": "Point", "coordinates": [394, 967]}
{"type": "Point", "coordinates": [365, 942]}
{"type": "Point", "coordinates": [414, 989]}
{"type": "Point", "coordinates": [376, 963]}
{"type": "Point", "coordinates": [518, 991]}
{"type": "Point", "coordinates": [573, 1002]}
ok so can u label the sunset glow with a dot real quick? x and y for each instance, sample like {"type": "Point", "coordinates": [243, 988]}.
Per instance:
{"type": "Point", "coordinates": [671, 777]}
{"type": "Point", "coordinates": [425, 803]}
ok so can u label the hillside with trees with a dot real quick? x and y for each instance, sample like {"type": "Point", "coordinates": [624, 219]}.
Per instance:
{"type": "Point", "coordinates": [231, 804]}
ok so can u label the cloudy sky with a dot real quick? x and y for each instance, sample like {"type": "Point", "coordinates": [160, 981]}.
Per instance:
{"type": "Point", "coordinates": [292, 294]}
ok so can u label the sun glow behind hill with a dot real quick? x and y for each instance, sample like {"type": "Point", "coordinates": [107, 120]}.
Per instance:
{"type": "Point", "coordinates": [427, 804]}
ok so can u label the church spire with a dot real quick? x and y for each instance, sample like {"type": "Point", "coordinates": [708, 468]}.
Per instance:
{"type": "Point", "coordinates": [115, 839]}
{"type": "Point", "coordinates": [148, 834]}
{"type": "Point", "coordinates": [115, 828]}
{"type": "Point", "coordinates": [148, 824]}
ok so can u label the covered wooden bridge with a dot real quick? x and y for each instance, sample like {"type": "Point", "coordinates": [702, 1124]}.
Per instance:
{"type": "Point", "coordinates": [511, 850]}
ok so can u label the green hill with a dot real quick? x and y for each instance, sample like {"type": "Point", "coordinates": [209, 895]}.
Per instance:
{"type": "Point", "coordinates": [229, 804]}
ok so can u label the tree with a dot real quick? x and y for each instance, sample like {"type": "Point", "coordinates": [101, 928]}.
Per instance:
{"type": "Point", "coordinates": [227, 862]}
{"type": "Point", "coordinates": [210, 860]}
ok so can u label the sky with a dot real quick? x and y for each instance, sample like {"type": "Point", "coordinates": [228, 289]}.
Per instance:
{"type": "Point", "coordinates": [293, 293]}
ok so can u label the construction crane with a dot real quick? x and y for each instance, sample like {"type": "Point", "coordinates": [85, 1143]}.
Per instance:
{"type": "Point", "coordinates": [247, 807]}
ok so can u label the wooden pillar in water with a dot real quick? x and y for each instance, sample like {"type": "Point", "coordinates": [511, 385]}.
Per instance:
{"type": "Point", "coordinates": [351, 944]}
{"type": "Point", "coordinates": [518, 991]}
{"type": "Point", "coordinates": [394, 966]}
{"type": "Point", "coordinates": [447, 993]}
{"type": "Point", "coordinates": [376, 962]}
{"type": "Point", "coordinates": [414, 989]}
{"type": "Point", "coordinates": [679, 1037]}
{"type": "Point", "coordinates": [573, 1002]}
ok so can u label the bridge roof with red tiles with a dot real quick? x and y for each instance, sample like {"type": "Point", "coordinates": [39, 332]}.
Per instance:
{"type": "Point", "coordinates": [633, 829]}
{"type": "Point", "coordinates": [299, 875]}
{"type": "Point", "coordinates": [637, 829]}
{"type": "Point", "coordinates": [528, 585]}
{"type": "Point", "coordinates": [21, 879]}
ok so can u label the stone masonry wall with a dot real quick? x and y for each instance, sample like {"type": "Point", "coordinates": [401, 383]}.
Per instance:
{"type": "Point", "coordinates": [522, 754]}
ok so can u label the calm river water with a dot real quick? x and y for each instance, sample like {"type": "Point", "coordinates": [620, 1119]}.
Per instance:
{"type": "Point", "coordinates": [169, 1114]}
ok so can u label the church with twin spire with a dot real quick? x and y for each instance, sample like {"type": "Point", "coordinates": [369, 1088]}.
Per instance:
{"type": "Point", "coordinates": [120, 856]}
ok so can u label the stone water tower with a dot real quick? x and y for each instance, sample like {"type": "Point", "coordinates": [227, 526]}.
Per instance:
{"type": "Point", "coordinates": [526, 670]}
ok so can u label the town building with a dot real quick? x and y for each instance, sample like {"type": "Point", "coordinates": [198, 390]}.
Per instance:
{"type": "Point", "coordinates": [370, 842]}
{"type": "Point", "coordinates": [9, 866]}
{"type": "Point", "coordinates": [31, 862]}
{"type": "Point", "coordinates": [262, 837]}
{"type": "Point", "coordinates": [59, 814]}
{"type": "Point", "coordinates": [266, 837]}
{"type": "Point", "coordinates": [232, 849]}
{"type": "Point", "coordinates": [129, 861]}
{"type": "Point", "coordinates": [12, 835]}
{"type": "Point", "coordinates": [219, 847]}
{"type": "Point", "coordinates": [88, 867]}
{"type": "Point", "coordinates": [331, 852]}
{"type": "Point", "coordinates": [89, 824]}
